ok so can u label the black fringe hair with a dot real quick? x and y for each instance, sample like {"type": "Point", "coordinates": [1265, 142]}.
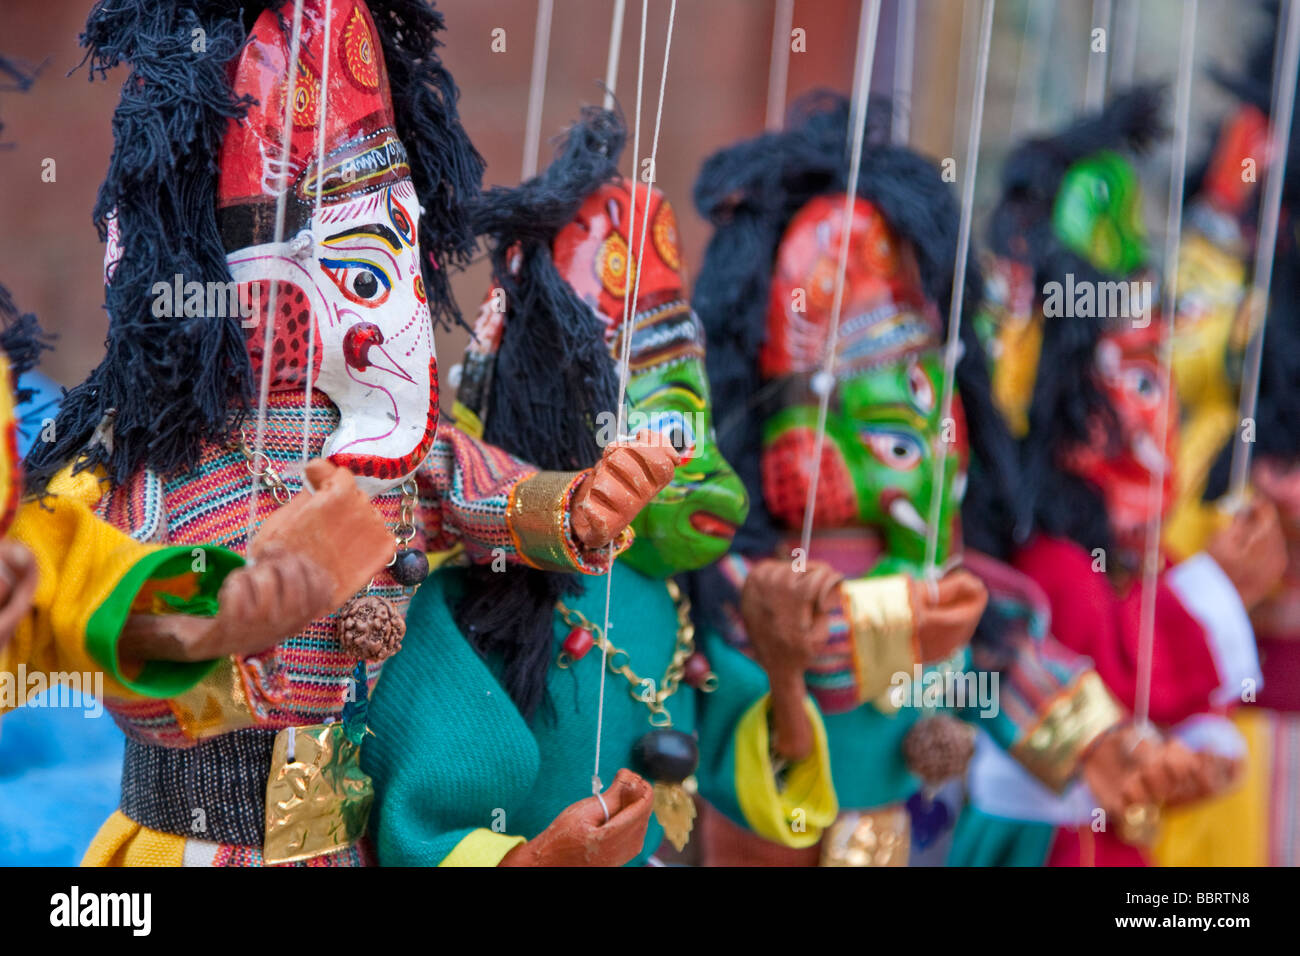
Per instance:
{"type": "Point", "coordinates": [553, 376]}
{"type": "Point", "coordinates": [22, 341]}
{"type": "Point", "coordinates": [173, 384]}
{"type": "Point", "coordinates": [1066, 396]}
{"type": "Point", "coordinates": [749, 192]}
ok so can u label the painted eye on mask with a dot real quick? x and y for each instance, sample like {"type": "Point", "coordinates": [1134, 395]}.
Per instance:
{"type": "Point", "coordinates": [676, 431]}
{"type": "Point", "coordinates": [920, 389]}
{"type": "Point", "coordinates": [359, 281]}
{"type": "Point", "coordinates": [896, 449]}
{"type": "Point", "coordinates": [1143, 384]}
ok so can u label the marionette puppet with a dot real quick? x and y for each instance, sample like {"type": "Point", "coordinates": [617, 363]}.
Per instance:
{"type": "Point", "coordinates": [765, 296]}
{"type": "Point", "coordinates": [326, 189]}
{"type": "Point", "coordinates": [504, 669]}
{"type": "Point", "coordinates": [1255, 825]}
{"type": "Point", "coordinates": [78, 597]}
{"type": "Point", "coordinates": [1069, 219]}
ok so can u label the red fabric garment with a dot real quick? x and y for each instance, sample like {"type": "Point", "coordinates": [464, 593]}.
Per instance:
{"type": "Point", "coordinates": [1090, 617]}
{"type": "Point", "coordinates": [1080, 846]}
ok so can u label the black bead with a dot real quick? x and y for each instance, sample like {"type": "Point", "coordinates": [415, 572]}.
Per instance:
{"type": "Point", "coordinates": [666, 755]}
{"type": "Point", "coordinates": [411, 567]}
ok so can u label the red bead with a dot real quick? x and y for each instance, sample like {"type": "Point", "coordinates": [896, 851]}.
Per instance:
{"type": "Point", "coordinates": [696, 670]}
{"type": "Point", "coordinates": [578, 643]}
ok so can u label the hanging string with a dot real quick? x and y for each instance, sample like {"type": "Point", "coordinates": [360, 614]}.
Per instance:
{"type": "Point", "coordinates": [281, 206]}
{"type": "Point", "coordinates": [633, 273]}
{"type": "Point", "coordinates": [1282, 111]}
{"type": "Point", "coordinates": [952, 346]}
{"type": "Point", "coordinates": [1122, 43]}
{"type": "Point", "coordinates": [1094, 87]}
{"type": "Point", "coordinates": [537, 88]}
{"type": "Point", "coordinates": [1037, 43]}
{"type": "Point", "coordinates": [904, 64]}
{"type": "Point", "coordinates": [965, 71]}
{"type": "Point", "coordinates": [320, 187]}
{"type": "Point", "coordinates": [1168, 302]}
{"type": "Point", "coordinates": [611, 59]}
{"type": "Point", "coordinates": [823, 381]}
{"type": "Point", "coordinates": [778, 69]}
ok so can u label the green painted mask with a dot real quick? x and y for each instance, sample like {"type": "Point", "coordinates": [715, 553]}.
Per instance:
{"type": "Point", "coordinates": [691, 522]}
{"type": "Point", "coordinates": [1098, 213]}
{"type": "Point", "coordinates": [882, 432]}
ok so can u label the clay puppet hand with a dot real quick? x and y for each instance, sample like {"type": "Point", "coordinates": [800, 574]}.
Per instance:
{"type": "Point", "coordinates": [627, 477]}
{"type": "Point", "coordinates": [308, 559]}
{"type": "Point", "coordinates": [18, 580]}
{"type": "Point", "coordinates": [581, 836]}
{"type": "Point", "coordinates": [1251, 551]}
{"type": "Point", "coordinates": [787, 617]}
{"type": "Point", "coordinates": [1127, 771]}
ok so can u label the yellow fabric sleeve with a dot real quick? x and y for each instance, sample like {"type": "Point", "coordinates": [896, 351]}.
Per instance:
{"type": "Point", "coordinates": [90, 577]}
{"type": "Point", "coordinates": [796, 815]}
{"type": "Point", "coordinates": [481, 848]}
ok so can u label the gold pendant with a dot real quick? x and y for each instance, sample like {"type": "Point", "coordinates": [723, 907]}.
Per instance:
{"type": "Point", "coordinates": [318, 798]}
{"type": "Point", "coordinates": [675, 811]}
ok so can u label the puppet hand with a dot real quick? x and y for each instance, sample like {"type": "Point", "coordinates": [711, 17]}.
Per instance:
{"type": "Point", "coordinates": [1125, 771]}
{"type": "Point", "coordinates": [627, 477]}
{"type": "Point", "coordinates": [259, 605]}
{"type": "Point", "coordinates": [946, 619]}
{"type": "Point", "coordinates": [580, 835]}
{"type": "Point", "coordinates": [18, 578]}
{"type": "Point", "coordinates": [787, 613]}
{"type": "Point", "coordinates": [1251, 551]}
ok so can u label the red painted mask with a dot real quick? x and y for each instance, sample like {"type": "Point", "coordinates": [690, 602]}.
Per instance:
{"type": "Point", "coordinates": [1122, 465]}
{"type": "Point", "coordinates": [350, 263]}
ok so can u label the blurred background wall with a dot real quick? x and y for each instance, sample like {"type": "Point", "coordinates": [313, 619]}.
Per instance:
{"type": "Point", "coordinates": [716, 94]}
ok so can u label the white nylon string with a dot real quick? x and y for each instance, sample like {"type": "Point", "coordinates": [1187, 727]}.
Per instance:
{"type": "Point", "coordinates": [615, 47]}
{"type": "Point", "coordinates": [1122, 44]}
{"type": "Point", "coordinates": [1037, 42]}
{"type": "Point", "coordinates": [281, 206]}
{"type": "Point", "coordinates": [1168, 300]}
{"type": "Point", "coordinates": [778, 70]}
{"type": "Point", "coordinates": [952, 347]}
{"type": "Point", "coordinates": [1282, 110]}
{"type": "Point", "coordinates": [1094, 87]}
{"type": "Point", "coordinates": [868, 22]}
{"type": "Point", "coordinates": [904, 65]}
{"type": "Point", "coordinates": [537, 88]}
{"type": "Point", "coordinates": [320, 186]}
{"type": "Point", "coordinates": [633, 272]}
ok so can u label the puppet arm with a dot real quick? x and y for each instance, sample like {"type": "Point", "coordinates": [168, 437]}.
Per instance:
{"type": "Point", "coordinates": [89, 578]}
{"type": "Point", "coordinates": [494, 505]}
{"type": "Point", "coordinates": [1204, 645]}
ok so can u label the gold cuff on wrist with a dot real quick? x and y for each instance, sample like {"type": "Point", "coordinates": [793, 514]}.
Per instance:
{"type": "Point", "coordinates": [536, 517]}
{"type": "Point", "coordinates": [879, 614]}
{"type": "Point", "coordinates": [1053, 748]}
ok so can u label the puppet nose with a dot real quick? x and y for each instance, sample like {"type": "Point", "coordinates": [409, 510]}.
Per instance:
{"type": "Point", "coordinates": [358, 342]}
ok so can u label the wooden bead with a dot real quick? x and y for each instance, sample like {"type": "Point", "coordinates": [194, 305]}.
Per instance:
{"type": "Point", "coordinates": [370, 628]}
{"type": "Point", "coordinates": [578, 643]}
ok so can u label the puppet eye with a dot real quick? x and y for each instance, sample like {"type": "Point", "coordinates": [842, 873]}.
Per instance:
{"type": "Point", "coordinates": [359, 281]}
{"type": "Point", "coordinates": [676, 430]}
{"type": "Point", "coordinates": [920, 388]}
{"type": "Point", "coordinates": [896, 449]}
{"type": "Point", "coordinates": [1143, 384]}
{"type": "Point", "coordinates": [400, 220]}
{"type": "Point", "coordinates": [664, 230]}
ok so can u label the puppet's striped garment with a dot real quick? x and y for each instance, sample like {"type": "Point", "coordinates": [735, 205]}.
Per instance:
{"type": "Point", "coordinates": [464, 494]}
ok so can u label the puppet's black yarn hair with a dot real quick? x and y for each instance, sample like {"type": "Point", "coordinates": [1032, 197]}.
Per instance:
{"type": "Point", "coordinates": [749, 192]}
{"type": "Point", "coordinates": [22, 342]}
{"type": "Point", "coordinates": [553, 376]}
{"type": "Point", "coordinates": [1066, 396]}
{"type": "Point", "coordinates": [172, 384]}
